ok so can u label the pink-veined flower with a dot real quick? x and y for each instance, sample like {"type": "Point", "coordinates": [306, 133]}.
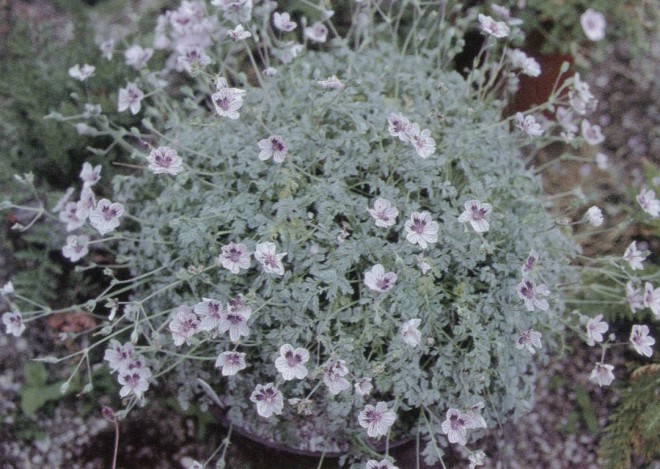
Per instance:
{"type": "Point", "coordinates": [227, 101]}
{"type": "Point", "coordinates": [476, 213]}
{"type": "Point", "coordinates": [593, 23]}
{"type": "Point", "coordinates": [529, 339]}
{"type": "Point", "coordinates": [105, 217]}
{"type": "Point", "coordinates": [641, 341]}
{"type": "Point", "coordinates": [533, 295]}
{"type": "Point", "coordinates": [410, 333]}
{"type": "Point", "coordinates": [74, 215]}
{"type": "Point", "coordinates": [333, 376]}
{"type": "Point", "coordinates": [376, 419]}
{"type": "Point", "coordinates": [455, 427]}
{"type": "Point", "coordinates": [209, 312]}
{"type": "Point", "coordinates": [282, 21]}
{"type": "Point", "coordinates": [379, 280]}
{"type": "Point", "coordinates": [234, 320]}
{"type": "Point", "coordinates": [634, 256]}
{"type": "Point", "coordinates": [635, 297]}
{"type": "Point", "coordinates": [363, 387]}
{"type": "Point", "coordinates": [530, 263]}
{"type": "Point", "coordinates": [90, 175]}
{"type": "Point", "coordinates": [651, 298]}
{"type": "Point", "coordinates": [119, 356]}
{"type": "Point", "coordinates": [134, 382]}
{"type": "Point", "coordinates": [81, 73]}
{"type": "Point", "coordinates": [231, 363]}
{"type": "Point", "coordinates": [421, 140]}
{"type": "Point", "coordinates": [266, 254]}
{"type": "Point", "coordinates": [137, 57]}
{"type": "Point", "coordinates": [291, 362]}
{"type": "Point", "coordinates": [528, 125]}
{"type": "Point", "coordinates": [76, 247]}
{"type": "Point", "coordinates": [602, 374]}
{"type": "Point", "coordinates": [107, 48]}
{"type": "Point", "coordinates": [591, 133]}
{"type": "Point", "coordinates": [398, 126]}
{"type": "Point", "coordinates": [184, 325]}
{"type": "Point", "coordinates": [239, 33]}
{"type": "Point", "coordinates": [130, 98]}
{"type": "Point", "coordinates": [165, 160]}
{"type": "Point", "coordinates": [192, 57]}
{"type": "Point", "coordinates": [648, 202]}
{"type": "Point", "coordinates": [421, 229]}
{"type": "Point", "coordinates": [273, 147]}
{"type": "Point", "coordinates": [268, 399]}
{"type": "Point", "coordinates": [13, 321]}
{"type": "Point", "coordinates": [317, 32]}
{"type": "Point", "coordinates": [234, 256]}
{"type": "Point", "coordinates": [383, 213]}
{"type": "Point", "coordinates": [498, 29]}
{"type": "Point", "coordinates": [596, 327]}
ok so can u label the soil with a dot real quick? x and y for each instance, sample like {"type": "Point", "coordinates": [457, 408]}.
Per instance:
{"type": "Point", "coordinates": [558, 433]}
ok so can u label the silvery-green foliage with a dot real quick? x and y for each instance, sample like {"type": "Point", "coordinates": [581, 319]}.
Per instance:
{"type": "Point", "coordinates": [313, 206]}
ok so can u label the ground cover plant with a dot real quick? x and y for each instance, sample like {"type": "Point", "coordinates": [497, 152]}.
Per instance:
{"type": "Point", "coordinates": [315, 236]}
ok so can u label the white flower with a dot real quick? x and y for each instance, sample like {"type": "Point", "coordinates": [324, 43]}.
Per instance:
{"type": "Point", "coordinates": [333, 376]}
{"type": "Point", "coordinates": [238, 33]}
{"type": "Point", "coordinates": [228, 101]}
{"type": "Point", "coordinates": [363, 387]}
{"type": "Point", "coordinates": [528, 65]}
{"type": "Point", "coordinates": [594, 216]}
{"type": "Point", "coordinates": [90, 175]}
{"type": "Point", "coordinates": [87, 201]}
{"type": "Point", "coordinates": [596, 327]}
{"type": "Point", "coordinates": [135, 381]}
{"type": "Point", "coordinates": [130, 98]}
{"type": "Point", "coordinates": [7, 288]}
{"type": "Point", "coordinates": [383, 464]}
{"type": "Point", "coordinates": [641, 341]}
{"type": "Point", "coordinates": [74, 215]}
{"type": "Point", "coordinates": [119, 356]}
{"type": "Point", "coordinates": [530, 263]}
{"type": "Point", "coordinates": [384, 213]}
{"type": "Point", "coordinates": [266, 254]}
{"type": "Point", "coordinates": [532, 295]}
{"type": "Point", "coordinates": [580, 97]}
{"type": "Point", "coordinates": [76, 247]}
{"type": "Point", "coordinates": [478, 458]}
{"type": "Point", "coordinates": [273, 147]}
{"type": "Point", "coordinates": [634, 256]}
{"type": "Point", "coordinates": [331, 83]}
{"type": "Point", "coordinates": [591, 133]}
{"type": "Point", "coordinates": [209, 312]}
{"type": "Point", "coordinates": [476, 213]}
{"type": "Point", "coordinates": [648, 202]}
{"type": "Point", "coordinates": [317, 32]}
{"type": "Point", "coordinates": [528, 125]}
{"type": "Point", "coordinates": [422, 141]}
{"type": "Point", "coordinates": [165, 160]}
{"type": "Point", "coordinates": [14, 323]}
{"type": "Point", "coordinates": [651, 298]}
{"type": "Point", "coordinates": [234, 319]}
{"type": "Point", "coordinates": [291, 362]}
{"type": "Point", "coordinates": [184, 325]}
{"type": "Point", "coordinates": [529, 339]}
{"type": "Point", "coordinates": [269, 400]}
{"type": "Point", "coordinates": [399, 126]}
{"type": "Point", "coordinates": [565, 120]}
{"type": "Point", "coordinates": [421, 229]}
{"type": "Point", "coordinates": [283, 22]}
{"type": "Point", "coordinates": [231, 363]}
{"type": "Point", "coordinates": [635, 297]}
{"type": "Point", "coordinates": [602, 161]}
{"type": "Point", "coordinates": [593, 23]}
{"type": "Point", "coordinates": [107, 48]}
{"type": "Point", "coordinates": [377, 420]}
{"type": "Point", "coordinates": [270, 71]}
{"type": "Point", "coordinates": [410, 333]}
{"type": "Point", "coordinates": [191, 58]}
{"type": "Point", "coordinates": [81, 73]}
{"type": "Point", "coordinates": [105, 217]}
{"type": "Point", "coordinates": [137, 57]}
{"type": "Point", "coordinates": [234, 256]}
{"type": "Point", "coordinates": [602, 374]}
{"type": "Point", "coordinates": [498, 29]}
{"type": "Point", "coordinates": [455, 427]}
{"type": "Point", "coordinates": [379, 280]}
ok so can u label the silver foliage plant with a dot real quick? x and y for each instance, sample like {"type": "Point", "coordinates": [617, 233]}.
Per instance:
{"type": "Point", "coordinates": [352, 240]}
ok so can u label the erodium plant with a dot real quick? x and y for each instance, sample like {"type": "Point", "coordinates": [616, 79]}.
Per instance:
{"type": "Point", "coordinates": [340, 253]}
